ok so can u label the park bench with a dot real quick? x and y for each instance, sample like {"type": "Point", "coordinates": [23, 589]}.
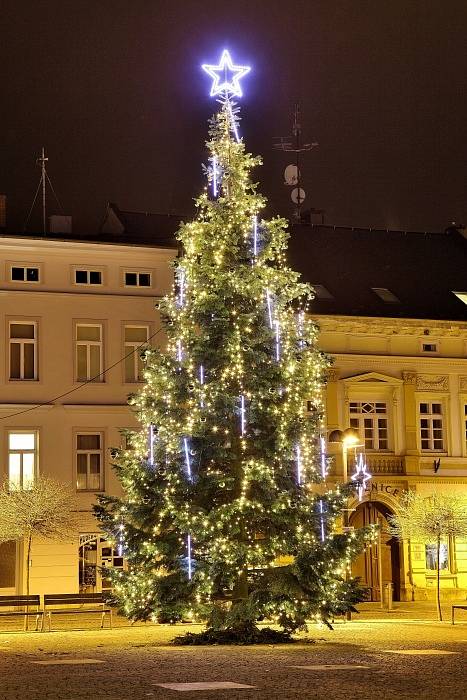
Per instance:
{"type": "Point", "coordinates": [76, 604]}
{"type": "Point", "coordinates": [460, 606]}
{"type": "Point", "coordinates": [22, 601]}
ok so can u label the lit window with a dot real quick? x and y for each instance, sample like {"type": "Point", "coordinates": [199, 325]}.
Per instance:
{"type": "Point", "coordinates": [88, 277]}
{"type": "Point", "coordinates": [24, 274]}
{"type": "Point", "coordinates": [22, 459]}
{"type": "Point", "coordinates": [431, 426]}
{"type": "Point", "coordinates": [462, 296]}
{"type": "Point", "coordinates": [321, 292]}
{"type": "Point", "coordinates": [89, 460]}
{"type": "Point", "coordinates": [370, 420]}
{"type": "Point", "coordinates": [137, 279]}
{"type": "Point", "coordinates": [386, 295]}
{"type": "Point", "coordinates": [23, 350]}
{"type": "Point", "coordinates": [89, 351]}
{"type": "Point", "coordinates": [135, 336]}
{"type": "Point", "coordinates": [431, 556]}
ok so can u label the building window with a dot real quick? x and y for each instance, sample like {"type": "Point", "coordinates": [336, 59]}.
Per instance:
{"type": "Point", "coordinates": [88, 277]}
{"type": "Point", "coordinates": [24, 274]}
{"type": "Point", "coordinates": [431, 426]}
{"type": "Point", "coordinates": [135, 336]}
{"type": "Point", "coordinates": [22, 458]}
{"type": "Point", "coordinates": [89, 462]}
{"type": "Point", "coordinates": [89, 352]}
{"type": "Point", "coordinates": [370, 419]}
{"type": "Point", "coordinates": [23, 351]}
{"type": "Point", "coordinates": [137, 279]}
{"type": "Point", "coordinates": [431, 555]}
{"type": "Point", "coordinates": [429, 347]}
{"type": "Point", "coordinates": [386, 295]}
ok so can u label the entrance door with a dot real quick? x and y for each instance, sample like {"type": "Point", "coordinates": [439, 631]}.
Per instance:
{"type": "Point", "coordinates": [366, 566]}
{"type": "Point", "coordinates": [8, 568]}
{"type": "Point", "coordinates": [96, 555]}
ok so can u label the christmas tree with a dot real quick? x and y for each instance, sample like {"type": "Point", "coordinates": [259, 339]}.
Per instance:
{"type": "Point", "coordinates": [225, 516]}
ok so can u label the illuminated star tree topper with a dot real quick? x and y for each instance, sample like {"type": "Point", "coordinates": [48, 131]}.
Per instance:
{"type": "Point", "coordinates": [226, 76]}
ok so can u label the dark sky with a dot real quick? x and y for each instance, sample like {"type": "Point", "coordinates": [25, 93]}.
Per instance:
{"type": "Point", "coordinates": [114, 90]}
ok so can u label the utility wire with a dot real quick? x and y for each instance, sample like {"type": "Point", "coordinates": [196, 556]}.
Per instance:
{"type": "Point", "coordinates": [88, 381]}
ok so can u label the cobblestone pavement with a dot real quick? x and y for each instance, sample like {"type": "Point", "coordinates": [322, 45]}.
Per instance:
{"type": "Point", "coordinates": [136, 659]}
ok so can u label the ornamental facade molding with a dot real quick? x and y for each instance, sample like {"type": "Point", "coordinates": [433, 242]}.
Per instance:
{"type": "Point", "coordinates": [463, 383]}
{"type": "Point", "coordinates": [390, 327]}
{"type": "Point", "coordinates": [432, 382]}
{"type": "Point", "coordinates": [409, 377]}
{"type": "Point", "coordinates": [333, 375]}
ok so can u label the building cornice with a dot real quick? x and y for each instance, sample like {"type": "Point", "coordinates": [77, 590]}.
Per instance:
{"type": "Point", "coordinates": [15, 244]}
{"type": "Point", "coordinates": [372, 326]}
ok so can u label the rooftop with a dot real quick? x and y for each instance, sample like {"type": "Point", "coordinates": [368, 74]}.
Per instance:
{"type": "Point", "coordinates": [393, 274]}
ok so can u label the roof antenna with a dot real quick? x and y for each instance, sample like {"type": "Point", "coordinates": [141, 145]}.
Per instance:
{"type": "Point", "coordinates": [292, 174]}
{"type": "Point", "coordinates": [44, 179]}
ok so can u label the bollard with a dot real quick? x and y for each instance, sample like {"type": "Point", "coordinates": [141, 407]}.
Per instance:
{"type": "Point", "coordinates": [389, 594]}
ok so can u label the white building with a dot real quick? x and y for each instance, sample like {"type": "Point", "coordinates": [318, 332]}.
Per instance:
{"type": "Point", "coordinates": [70, 310]}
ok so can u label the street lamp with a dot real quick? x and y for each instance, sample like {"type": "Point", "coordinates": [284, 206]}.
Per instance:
{"type": "Point", "coordinates": [347, 438]}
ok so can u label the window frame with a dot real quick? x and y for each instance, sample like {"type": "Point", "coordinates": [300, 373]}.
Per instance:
{"type": "Point", "coordinates": [88, 269]}
{"type": "Point", "coordinates": [78, 323]}
{"type": "Point", "coordinates": [360, 417]}
{"type": "Point", "coordinates": [430, 416]}
{"type": "Point", "coordinates": [25, 266]}
{"type": "Point", "coordinates": [138, 271]}
{"type": "Point", "coordinates": [134, 344]}
{"type": "Point", "coordinates": [101, 452]}
{"type": "Point", "coordinates": [35, 451]}
{"type": "Point", "coordinates": [22, 342]}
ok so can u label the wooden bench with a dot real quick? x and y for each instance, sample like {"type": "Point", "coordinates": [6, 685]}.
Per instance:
{"type": "Point", "coordinates": [81, 603]}
{"type": "Point", "coordinates": [23, 601]}
{"type": "Point", "coordinates": [457, 607]}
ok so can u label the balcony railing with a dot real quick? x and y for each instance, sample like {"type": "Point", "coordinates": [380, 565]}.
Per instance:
{"type": "Point", "coordinates": [383, 464]}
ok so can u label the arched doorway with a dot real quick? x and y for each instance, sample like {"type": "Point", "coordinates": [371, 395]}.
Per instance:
{"type": "Point", "coordinates": [367, 565]}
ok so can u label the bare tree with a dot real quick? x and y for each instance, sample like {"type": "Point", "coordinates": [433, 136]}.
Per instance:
{"type": "Point", "coordinates": [430, 519]}
{"type": "Point", "coordinates": [43, 509]}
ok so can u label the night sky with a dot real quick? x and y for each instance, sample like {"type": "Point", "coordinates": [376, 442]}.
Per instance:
{"type": "Point", "coordinates": [114, 91]}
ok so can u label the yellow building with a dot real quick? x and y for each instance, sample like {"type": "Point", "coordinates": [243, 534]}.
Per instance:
{"type": "Point", "coordinates": [69, 309]}
{"type": "Point", "coordinates": [392, 311]}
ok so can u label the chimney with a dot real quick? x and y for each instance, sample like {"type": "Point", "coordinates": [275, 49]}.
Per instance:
{"type": "Point", "coordinates": [60, 224]}
{"type": "Point", "coordinates": [2, 212]}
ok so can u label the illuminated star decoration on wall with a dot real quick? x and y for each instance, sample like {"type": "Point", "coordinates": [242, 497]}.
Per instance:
{"type": "Point", "coordinates": [361, 475]}
{"type": "Point", "coordinates": [226, 76]}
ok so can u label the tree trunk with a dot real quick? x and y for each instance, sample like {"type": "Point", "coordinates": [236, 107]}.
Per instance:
{"type": "Point", "coordinates": [27, 577]}
{"type": "Point", "coordinates": [438, 587]}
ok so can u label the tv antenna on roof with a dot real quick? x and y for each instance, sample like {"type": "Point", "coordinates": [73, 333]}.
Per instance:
{"type": "Point", "coordinates": [292, 174]}
{"type": "Point", "coordinates": [44, 179]}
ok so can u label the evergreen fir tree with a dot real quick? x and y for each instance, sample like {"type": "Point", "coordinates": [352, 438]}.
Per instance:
{"type": "Point", "coordinates": [225, 516]}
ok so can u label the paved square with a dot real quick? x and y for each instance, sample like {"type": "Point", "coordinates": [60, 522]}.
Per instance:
{"type": "Point", "coordinates": [332, 667]}
{"type": "Point", "coordinates": [214, 685]}
{"type": "Point", "coordinates": [68, 662]}
{"type": "Point", "coordinates": [420, 652]}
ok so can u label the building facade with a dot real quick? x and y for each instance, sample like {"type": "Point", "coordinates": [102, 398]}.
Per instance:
{"type": "Point", "coordinates": [392, 311]}
{"type": "Point", "coordinates": [72, 316]}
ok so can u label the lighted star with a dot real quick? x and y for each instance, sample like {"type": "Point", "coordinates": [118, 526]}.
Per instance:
{"type": "Point", "coordinates": [361, 475]}
{"type": "Point", "coordinates": [226, 76]}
